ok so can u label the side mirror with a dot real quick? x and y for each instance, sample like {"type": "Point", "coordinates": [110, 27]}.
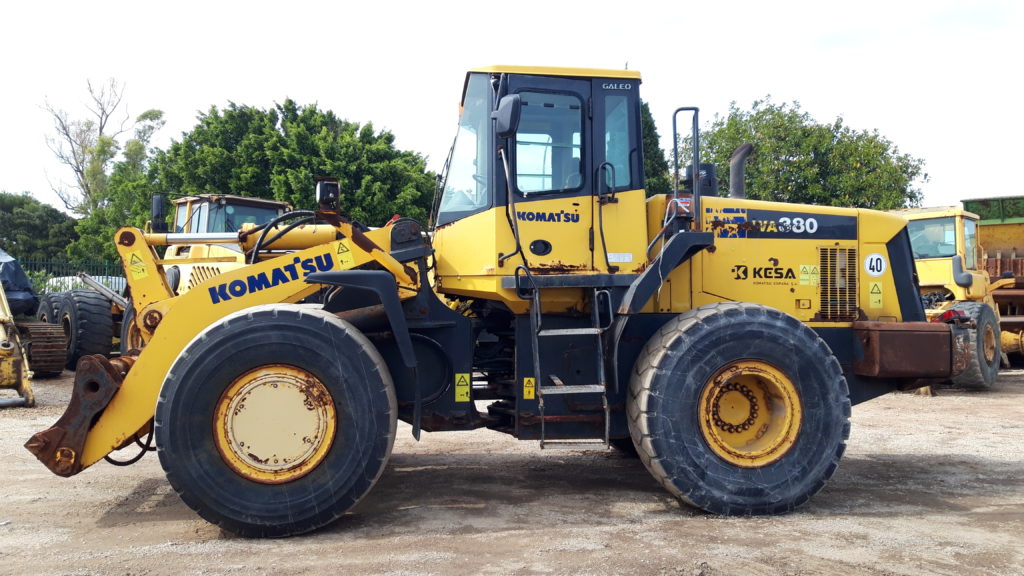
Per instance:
{"type": "Point", "coordinates": [158, 214]}
{"type": "Point", "coordinates": [962, 278]}
{"type": "Point", "coordinates": [506, 117]}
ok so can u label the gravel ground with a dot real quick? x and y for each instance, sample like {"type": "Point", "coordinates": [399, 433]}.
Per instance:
{"type": "Point", "coordinates": [929, 485]}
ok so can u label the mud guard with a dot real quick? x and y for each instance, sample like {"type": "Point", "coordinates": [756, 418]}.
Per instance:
{"type": "Point", "coordinates": [678, 249]}
{"type": "Point", "coordinates": [382, 283]}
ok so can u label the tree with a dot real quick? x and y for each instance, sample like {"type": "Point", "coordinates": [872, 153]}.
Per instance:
{"type": "Point", "coordinates": [277, 153]}
{"type": "Point", "coordinates": [32, 230]}
{"type": "Point", "coordinates": [126, 201]}
{"type": "Point", "coordinates": [88, 146]}
{"type": "Point", "coordinates": [655, 165]}
{"type": "Point", "coordinates": [796, 159]}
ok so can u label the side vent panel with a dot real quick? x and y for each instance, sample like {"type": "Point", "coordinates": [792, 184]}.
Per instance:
{"type": "Point", "coordinates": [838, 284]}
{"type": "Point", "coordinates": [201, 274]}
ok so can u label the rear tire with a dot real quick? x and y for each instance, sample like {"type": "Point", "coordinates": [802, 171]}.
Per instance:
{"type": "Point", "coordinates": [88, 324]}
{"type": "Point", "coordinates": [736, 409]}
{"type": "Point", "coordinates": [985, 349]}
{"type": "Point", "coordinates": [245, 389]}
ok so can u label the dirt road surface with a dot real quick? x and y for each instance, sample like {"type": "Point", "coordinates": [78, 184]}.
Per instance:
{"type": "Point", "coordinates": [929, 485]}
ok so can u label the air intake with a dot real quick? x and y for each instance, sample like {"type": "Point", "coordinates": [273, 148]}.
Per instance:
{"type": "Point", "coordinates": [838, 284]}
{"type": "Point", "coordinates": [201, 274]}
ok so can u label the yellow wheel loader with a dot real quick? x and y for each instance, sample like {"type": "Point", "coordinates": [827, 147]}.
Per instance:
{"type": "Point", "coordinates": [949, 245]}
{"type": "Point", "coordinates": [27, 348]}
{"type": "Point", "coordinates": [725, 339]}
{"type": "Point", "coordinates": [98, 320]}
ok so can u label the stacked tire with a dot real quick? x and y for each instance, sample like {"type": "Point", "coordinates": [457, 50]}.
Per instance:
{"type": "Point", "coordinates": [45, 312]}
{"type": "Point", "coordinates": [86, 318]}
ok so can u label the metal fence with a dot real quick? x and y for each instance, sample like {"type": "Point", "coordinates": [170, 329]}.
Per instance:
{"type": "Point", "coordinates": [50, 276]}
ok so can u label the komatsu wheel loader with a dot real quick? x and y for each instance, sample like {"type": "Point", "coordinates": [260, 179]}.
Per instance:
{"type": "Point", "coordinates": [724, 338]}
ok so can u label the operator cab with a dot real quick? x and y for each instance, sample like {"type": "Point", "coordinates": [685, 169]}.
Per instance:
{"type": "Point", "coordinates": [546, 164]}
{"type": "Point", "coordinates": [573, 136]}
{"type": "Point", "coordinates": [936, 233]}
{"type": "Point", "coordinates": [223, 213]}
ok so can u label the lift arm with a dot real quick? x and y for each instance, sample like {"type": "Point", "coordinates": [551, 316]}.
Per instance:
{"type": "Point", "coordinates": [123, 393]}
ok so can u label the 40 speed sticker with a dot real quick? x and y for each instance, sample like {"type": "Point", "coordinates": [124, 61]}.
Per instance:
{"type": "Point", "coordinates": [874, 264]}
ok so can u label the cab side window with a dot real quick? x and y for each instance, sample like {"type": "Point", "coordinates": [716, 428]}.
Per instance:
{"type": "Point", "coordinates": [548, 151]}
{"type": "Point", "coordinates": [617, 140]}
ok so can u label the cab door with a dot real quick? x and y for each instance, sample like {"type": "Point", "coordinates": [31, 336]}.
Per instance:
{"type": "Point", "coordinates": [551, 173]}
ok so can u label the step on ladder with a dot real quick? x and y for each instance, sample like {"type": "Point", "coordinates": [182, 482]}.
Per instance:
{"type": "Point", "coordinates": [556, 386]}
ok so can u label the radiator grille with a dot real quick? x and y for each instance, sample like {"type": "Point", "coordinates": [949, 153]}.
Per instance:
{"type": "Point", "coordinates": [838, 284]}
{"type": "Point", "coordinates": [201, 274]}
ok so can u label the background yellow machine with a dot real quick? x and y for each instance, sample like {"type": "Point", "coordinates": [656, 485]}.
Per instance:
{"type": "Point", "coordinates": [721, 338]}
{"type": "Point", "coordinates": [97, 319]}
{"type": "Point", "coordinates": [27, 348]}
{"type": "Point", "coordinates": [952, 276]}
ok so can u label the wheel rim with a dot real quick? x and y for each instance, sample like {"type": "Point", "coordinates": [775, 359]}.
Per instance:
{"type": "Point", "coordinates": [989, 344]}
{"type": "Point", "coordinates": [275, 424]}
{"type": "Point", "coordinates": [750, 414]}
{"type": "Point", "coordinates": [133, 337]}
{"type": "Point", "coordinates": [65, 323]}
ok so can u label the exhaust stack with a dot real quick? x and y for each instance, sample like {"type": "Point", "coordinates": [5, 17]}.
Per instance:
{"type": "Point", "coordinates": [737, 162]}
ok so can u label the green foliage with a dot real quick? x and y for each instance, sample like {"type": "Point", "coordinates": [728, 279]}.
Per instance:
{"type": "Point", "coordinates": [247, 151]}
{"type": "Point", "coordinates": [277, 153]}
{"type": "Point", "coordinates": [796, 159]}
{"type": "Point", "coordinates": [88, 146]}
{"type": "Point", "coordinates": [125, 199]}
{"type": "Point", "coordinates": [38, 279]}
{"type": "Point", "coordinates": [32, 230]}
{"type": "Point", "coordinates": [655, 165]}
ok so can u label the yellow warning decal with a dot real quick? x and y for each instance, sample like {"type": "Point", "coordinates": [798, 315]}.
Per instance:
{"type": "Point", "coordinates": [462, 386]}
{"type": "Point", "coordinates": [808, 274]}
{"type": "Point", "coordinates": [136, 266]}
{"type": "Point", "coordinates": [529, 388]}
{"type": "Point", "coordinates": [345, 258]}
{"type": "Point", "coordinates": [875, 296]}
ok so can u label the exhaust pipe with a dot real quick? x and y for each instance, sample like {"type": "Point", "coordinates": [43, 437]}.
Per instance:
{"type": "Point", "coordinates": [737, 162]}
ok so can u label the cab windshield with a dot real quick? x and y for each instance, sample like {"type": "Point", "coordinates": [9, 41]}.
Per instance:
{"type": "Point", "coordinates": [217, 217]}
{"type": "Point", "coordinates": [933, 238]}
{"type": "Point", "coordinates": [466, 184]}
{"type": "Point", "coordinates": [230, 218]}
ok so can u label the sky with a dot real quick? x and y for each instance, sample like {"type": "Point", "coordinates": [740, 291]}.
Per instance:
{"type": "Point", "coordinates": [940, 79]}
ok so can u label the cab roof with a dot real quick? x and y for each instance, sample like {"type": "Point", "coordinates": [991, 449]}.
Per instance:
{"type": "Point", "coordinates": [231, 199]}
{"type": "Point", "coordinates": [559, 71]}
{"type": "Point", "coordinates": [934, 212]}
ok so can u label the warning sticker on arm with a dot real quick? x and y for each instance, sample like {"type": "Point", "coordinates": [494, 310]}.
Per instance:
{"type": "Point", "coordinates": [136, 266]}
{"type": "Point", "coordinates": [345, 258]}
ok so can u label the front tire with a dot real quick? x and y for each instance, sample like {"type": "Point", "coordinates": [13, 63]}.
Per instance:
{"type": "Point", "coordinates": [985, 348]}
{"type": "Point", "coordinates": [276, 420]}
{"type": "Point", "coordinates": [739, 409]}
